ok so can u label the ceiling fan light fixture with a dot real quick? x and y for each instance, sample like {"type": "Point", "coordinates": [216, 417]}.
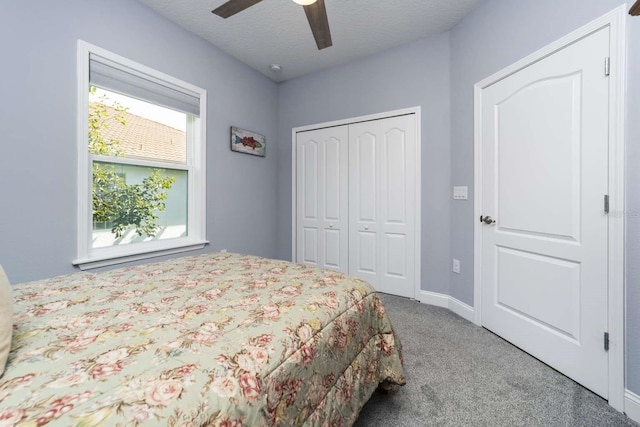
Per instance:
{"type": "Point", "coordinates": [314, 9]}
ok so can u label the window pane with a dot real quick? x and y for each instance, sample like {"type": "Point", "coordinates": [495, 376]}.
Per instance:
{"type": "Point", "coordinates": [134, 204]}
{"type": "Point", "coordinates": [123, 126]}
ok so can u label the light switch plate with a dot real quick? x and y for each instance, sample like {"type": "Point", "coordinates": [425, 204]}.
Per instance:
{"type": "Point", "coordinates": [460, 193]}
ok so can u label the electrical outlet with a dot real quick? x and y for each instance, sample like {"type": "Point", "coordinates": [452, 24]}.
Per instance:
{"type": "Point", "coordinates": [456, 266]}
{"type": "Point", "coordinates": [223, 250]}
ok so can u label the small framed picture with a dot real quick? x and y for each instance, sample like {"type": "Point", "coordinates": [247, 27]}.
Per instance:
{"type": "Point", "coordinates": [248, 142]}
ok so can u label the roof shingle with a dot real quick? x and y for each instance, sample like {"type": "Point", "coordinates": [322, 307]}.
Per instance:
{"type": "Point", "coordinates": [143, 138]}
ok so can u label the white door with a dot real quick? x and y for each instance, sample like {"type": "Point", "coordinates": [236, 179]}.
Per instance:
{"type": "Point", "coordinates": [322, 198]}
{"type": "Point", "coordinates": [382, 179]}
{"type": "Point", "coordinates": [544, 179]}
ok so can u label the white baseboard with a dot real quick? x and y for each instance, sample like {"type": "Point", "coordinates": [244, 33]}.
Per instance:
{"type": "Point", "coordinates": [632, 405]}
{"type": "Point", "coordinates": [441, 300]}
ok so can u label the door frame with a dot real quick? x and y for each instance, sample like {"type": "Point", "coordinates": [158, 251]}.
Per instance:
{"type": "Point", "coordinates": [615, 20]}
{"type": "Point", "coordinates": [416, 111]}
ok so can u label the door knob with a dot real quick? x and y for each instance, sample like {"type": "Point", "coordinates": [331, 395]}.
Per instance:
{"type": "Point", "coordinates": [487, 219]}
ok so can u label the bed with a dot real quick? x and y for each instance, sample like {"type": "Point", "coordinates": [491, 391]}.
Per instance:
{"type": "Point", "coordinates": [216, 339]}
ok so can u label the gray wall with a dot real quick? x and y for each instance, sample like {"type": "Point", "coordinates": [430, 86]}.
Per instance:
{"type": "Point", "coordinates": [38, 127]}
{"type": "Point", "coordinates": [413, 74]}
{"type": "Point", "coordinates": [496, 34]}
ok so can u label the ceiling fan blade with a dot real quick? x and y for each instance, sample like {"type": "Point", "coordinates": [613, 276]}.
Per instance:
{"type": "Point", "coordinates": [317, 16]}
{"type": "Point", "coordinates": [232, 7]}
{"type": "Point", "coordinates": [635, 9]}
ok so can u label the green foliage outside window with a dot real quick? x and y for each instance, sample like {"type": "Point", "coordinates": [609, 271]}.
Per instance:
{"type": "Point", "coordinates": [115, 202]}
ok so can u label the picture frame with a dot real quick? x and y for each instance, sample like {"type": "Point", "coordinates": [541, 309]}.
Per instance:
{"type": "Point", "coordinates": [244, 141]}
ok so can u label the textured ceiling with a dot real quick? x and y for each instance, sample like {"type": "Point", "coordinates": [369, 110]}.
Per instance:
{"type": "Point", "coordinates": [277, 31]}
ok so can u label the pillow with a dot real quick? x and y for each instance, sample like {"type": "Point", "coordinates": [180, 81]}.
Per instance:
{"type": "Point", "coordinates": [6, 319]}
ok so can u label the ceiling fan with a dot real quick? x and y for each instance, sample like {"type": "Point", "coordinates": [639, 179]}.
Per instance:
{"type": "Point", "coordinates": [314, 9]}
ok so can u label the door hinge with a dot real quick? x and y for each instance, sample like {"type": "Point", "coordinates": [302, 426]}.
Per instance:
{"type": "Point", "coordinates": [606, 341]}
{"type": "Point", "coordinates": [606, 203]}
{"type": "Point", "coordinates": [607, 66]}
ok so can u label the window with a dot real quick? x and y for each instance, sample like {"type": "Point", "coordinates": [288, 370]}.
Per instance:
{"type": "Point", "coordinates": [141, 161]}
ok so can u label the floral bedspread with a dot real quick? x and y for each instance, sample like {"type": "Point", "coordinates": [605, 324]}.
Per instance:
{"type": "Point", "coordinates": [216, 339]}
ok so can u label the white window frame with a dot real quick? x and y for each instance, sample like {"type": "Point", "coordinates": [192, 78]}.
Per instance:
{"type": "Point", "coordinates": [89, 257]}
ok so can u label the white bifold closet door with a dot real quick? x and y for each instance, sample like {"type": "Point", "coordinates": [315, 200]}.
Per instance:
{"type": "Point", "coordinates": [381, 203]}
{"type": "Point", "coordinates": [355, 189]}
{"type": "Point", "coordinates": [322, 198]}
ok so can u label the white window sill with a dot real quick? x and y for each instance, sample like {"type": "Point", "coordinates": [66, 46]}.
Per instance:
{"type": "Point", "coordinates": [107, 260]}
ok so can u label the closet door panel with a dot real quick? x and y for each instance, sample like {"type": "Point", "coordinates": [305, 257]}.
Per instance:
{"type": "Point", "coordinates": [394, 190]}
{"type": "Point", "coordinates": [332, 250]}
{"type": "Point", "coordinates": [310, 246]}
{"type": "Point", "coordinates": [363, 201]}
{"type": "Point", "coordinates": [308, 241]}
{"type": "Point", "coordinates": [396, 255]}
{"type": "Point", "coordinates": [310, 176]}
{"type": "Point", "coordinates": [382, 203]}
{"type": "Point", "coordinates": [365, 168]}
{"type": "Point", "coordinates": [322, 193]}
{"type": "Point", "coordinates": [367, 253]}
{"type": "Point", "coordinates": [397, 189]}
{"type": "Point", "coordinates": [333, 196]}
